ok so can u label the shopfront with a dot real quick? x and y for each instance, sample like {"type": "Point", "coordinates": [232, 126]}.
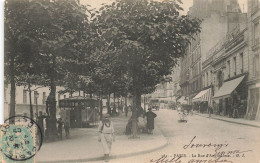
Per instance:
{"type": "Point", "coordinates": [253, 108]}
{"type": "Point", "coordinates": [202, 100]}
{"type": "Point", "coordinates": [231, 98]}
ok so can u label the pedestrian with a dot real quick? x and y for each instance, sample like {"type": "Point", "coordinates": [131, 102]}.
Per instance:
{"type": "Point", "coordinates": [40, 122]}
{"type": "Point", "coordinates": [106, 135]}
{"type": "Point", "coordinates": [126, 110]}
{"type": "Point", "coordinates": [60, 123]}
{"type": "Point", "coordinates": [141, 123]}
{"type": "Point", "coordinates": [67, 128]}
{"type": "Point", "coordinates": [150, 121]}
{"type": "Point", "coordinates": [209, 110]}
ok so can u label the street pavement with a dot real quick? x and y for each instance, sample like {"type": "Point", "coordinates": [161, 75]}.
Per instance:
{"type": "Point", "coordinates": [172, 142]}
{"type": "Point", "coordinates": [83, 145]}
{"type": "Point", "coordinates": [240, 143]}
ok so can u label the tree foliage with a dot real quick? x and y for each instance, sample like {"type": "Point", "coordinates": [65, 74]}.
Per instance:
{"type": "Point", "coordinates": [148, 37]}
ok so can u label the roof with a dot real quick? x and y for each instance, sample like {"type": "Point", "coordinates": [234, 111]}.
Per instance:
{"type": "Point", "coordinates": [228, 87]}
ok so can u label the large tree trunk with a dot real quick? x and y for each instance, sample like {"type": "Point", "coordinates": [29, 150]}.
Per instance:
{"type": "Point", "coordinates": [108, 104]}
{"type": "Point", "coordinates": [135, 113]}
{"type": "Point", "coordinates": [12, 91]}
{"type": "Point", "coordinates": [101, 106]}
{"type": "Point", "coordinates": [52, 104]}
{"type": "Point", "coordinates": [52, 110]}
{"type": "Point", "coordinates": [114, 105]}
{"type": "Point", "coordinates": [136, 104]}
{"type": "Point", "coordinates": [30, 96]}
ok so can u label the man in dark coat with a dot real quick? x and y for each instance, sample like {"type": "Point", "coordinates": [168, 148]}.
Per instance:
{"type": "Point", "coordinates": [67, 128]}
{"type": "Point", "coordinates": [150, 120]}
{"type": "Point", "coordinates": [60, 124]}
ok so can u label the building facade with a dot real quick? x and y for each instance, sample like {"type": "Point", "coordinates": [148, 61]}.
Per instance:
{"type": "Point", "coordinates": [215, 19]}
{"type": "Point", "coordinates": [38, 99]}
{"type": "Point", "coordinates": [254, 51]}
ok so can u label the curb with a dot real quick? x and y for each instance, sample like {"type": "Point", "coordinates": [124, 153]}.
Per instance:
{"type": "Point", "coordinates": [240, 123]}
{"type": "Point", "coordinates": [112, 156]}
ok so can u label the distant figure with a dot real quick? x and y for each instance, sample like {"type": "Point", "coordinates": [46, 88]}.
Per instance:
{"type": "Point", "coordinates": [106, 135]}
{"type": "Point", "coordinates": [128, 129]}
{"type": "Point", "coordinates": [209, 110]}
{"type": "Point", "coordinates": [40, 122]}
{"type": "Point", "coordinates": [60, 123]}
{"type": "Point", "coordinates": [67, 128]}
{"type": "Point", "coordinates": [150, 121]}
{"type": "Point", "coordinates": [126, 110]}
{"type": "Point", "coordinates": [141, 123]}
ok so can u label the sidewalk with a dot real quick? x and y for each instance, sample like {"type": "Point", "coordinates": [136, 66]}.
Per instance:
{"type": "Point", "coordinates": [83, 145]}
{"type": "Point", "coordinates": [240, 121]}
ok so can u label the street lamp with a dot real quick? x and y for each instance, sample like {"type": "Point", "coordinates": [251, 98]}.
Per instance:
{"type": "Point", "coordinates": [36, 96]}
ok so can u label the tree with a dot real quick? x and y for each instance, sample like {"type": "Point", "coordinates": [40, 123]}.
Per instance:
{"type": "Point", "coordinates": [53, 29]}
{"type": "Point", "coordinates": [21, 47]}
{"type": "Point", "coordinates": [151, 37]}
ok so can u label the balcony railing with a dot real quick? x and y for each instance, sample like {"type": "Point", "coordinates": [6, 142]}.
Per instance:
{"type": "Point", "coordinates": [216, 48]}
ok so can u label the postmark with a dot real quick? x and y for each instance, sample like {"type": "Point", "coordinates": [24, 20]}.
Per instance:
{"type": "Point", "coordinates": [20, 141]}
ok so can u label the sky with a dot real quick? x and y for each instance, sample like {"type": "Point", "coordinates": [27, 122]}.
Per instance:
{"type": "Point", "coordinates": [186, 4]}
{"type": "Point", "coordinates": [97, 3]}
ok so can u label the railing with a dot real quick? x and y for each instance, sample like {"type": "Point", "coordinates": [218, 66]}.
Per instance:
{"type": "Point", "coordinates": [216, 48]}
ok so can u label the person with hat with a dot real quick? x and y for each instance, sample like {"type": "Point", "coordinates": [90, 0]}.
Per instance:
{"type": "Point", "coordinates": [106, 135]}
{"type": "Point", "coordinates": [150, 121]}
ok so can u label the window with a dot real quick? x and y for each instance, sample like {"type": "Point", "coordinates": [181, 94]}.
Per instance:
{"type": "Point", "coordinates": [256, 33]}
{"type": "Point", "coordinates": [24, 96]}
{"type": "Point", "coordinates": [43, 97]}
{"type": "Point", "coordinates": [64, 96]}
{"type": "Point", "coordinates": [228, 67]}
{"type": "Point", "coordinates": [235, 65]}
{"type": "Point", "coordinates": [242, 62]}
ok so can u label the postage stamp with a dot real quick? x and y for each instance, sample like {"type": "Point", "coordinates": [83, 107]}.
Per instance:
{"type": "Point", "coordinates": [20, 140]}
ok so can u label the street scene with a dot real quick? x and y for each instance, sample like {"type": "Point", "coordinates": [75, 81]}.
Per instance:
{"type": "Point", "coordinates": [163, 81]}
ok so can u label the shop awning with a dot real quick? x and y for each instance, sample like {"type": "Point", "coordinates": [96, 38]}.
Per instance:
{"type": "Point", "coordinates": [204, 95]}
{"type": "Point", "coordinates": [182, 100]}
{"type": "Point", "coordinates": [228, 87]}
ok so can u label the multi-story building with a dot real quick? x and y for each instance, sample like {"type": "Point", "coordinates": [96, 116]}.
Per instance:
{"type": "Point", "coordinates": [38, 99]}
{"type": "Point", "coordinates": [213, 27]}
{"type": "Point", "coordinates": [253, 111]}
{"type": "Point", "coordinates": [230, 71]}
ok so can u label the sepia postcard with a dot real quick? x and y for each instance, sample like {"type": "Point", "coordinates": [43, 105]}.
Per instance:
{"type": "Point", "coordinates": [131, 81]}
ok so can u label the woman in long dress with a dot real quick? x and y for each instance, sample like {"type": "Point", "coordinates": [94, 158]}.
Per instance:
{"type": "Point", "coordinates": [106, 135]}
